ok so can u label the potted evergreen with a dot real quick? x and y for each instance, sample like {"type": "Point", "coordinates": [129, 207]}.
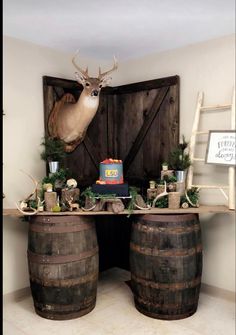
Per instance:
{"type": "Point", "coordinates": [179, 160]}
{"type": "Point", "coordinates": [53, 152]}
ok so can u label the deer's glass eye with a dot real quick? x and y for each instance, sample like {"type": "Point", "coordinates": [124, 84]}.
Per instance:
{"type": "Point", "coordinates": [87, 84]}
{"type": "Point", "coordinates": [100, 86]}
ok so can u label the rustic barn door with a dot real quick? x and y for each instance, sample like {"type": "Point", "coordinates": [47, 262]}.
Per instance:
{"type": "Point", "coordinates": [138, 123]}
{"type": "Point", "coordinates": [147, 127]}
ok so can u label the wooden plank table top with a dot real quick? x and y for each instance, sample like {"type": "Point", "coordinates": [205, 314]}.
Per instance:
{"type": "Point", "coordinates": [200, 210]}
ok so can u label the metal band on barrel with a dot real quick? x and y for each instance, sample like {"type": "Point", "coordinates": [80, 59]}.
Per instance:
{"type": "Point", "coordinates": [170, 230]}
{"type": "Point", "coordinates": [145, 303]}
{"type": "Point", "coordinates": [91, 277]}
{"type": "Point", "coordinates": [167, 252]}
{"type": "Point", "coordinates": [169, 286]}
{"type": "Point", "coordinates": [57, 259]}
{"type": "Point", "coordinates": [50, 307]}
{"type": "Point", "coordinates": [155, 218]}
{"type": "Point", "coordinates": [58, 229]}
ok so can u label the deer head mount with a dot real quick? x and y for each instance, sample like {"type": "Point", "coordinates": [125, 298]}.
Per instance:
{"type": "Point", "coordinates": [69, 120]}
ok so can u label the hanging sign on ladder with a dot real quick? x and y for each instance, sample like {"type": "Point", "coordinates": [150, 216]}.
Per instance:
{"type": "Point", "coordinates": [221, 147]}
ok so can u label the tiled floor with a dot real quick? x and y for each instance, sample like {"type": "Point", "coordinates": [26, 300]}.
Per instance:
{"type": "Point", "coordinates": [115, 314]}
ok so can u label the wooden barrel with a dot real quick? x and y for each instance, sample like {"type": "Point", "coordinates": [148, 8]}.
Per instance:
{"type": "Point", "coordinates": [166, 265]}
{"type": "Point", "coordinates": [63, 265]}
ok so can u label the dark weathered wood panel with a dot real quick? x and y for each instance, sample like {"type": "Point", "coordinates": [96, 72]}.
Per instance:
{"type": "Point", "coordinates": [148, 121]}
{"type": "Point", "coordinates": [130, 116]}
{"type": "Point", "coordinates": [147, 85]}
{"type": "Point", "coordinates": [162, 136]}
{"type": "Point", "coordinates": [112, 119]}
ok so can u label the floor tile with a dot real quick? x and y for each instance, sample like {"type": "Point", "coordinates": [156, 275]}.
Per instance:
{"type": "Point", "coordinates": [10, 329]}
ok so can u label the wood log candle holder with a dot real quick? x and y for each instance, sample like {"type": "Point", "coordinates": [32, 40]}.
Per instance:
{"type": "Point", "coordinates": [167, 173]}
{"type": "Point", "coordinates": [173, 200]}
{"type": "Point", "coordinates": [50, 200]}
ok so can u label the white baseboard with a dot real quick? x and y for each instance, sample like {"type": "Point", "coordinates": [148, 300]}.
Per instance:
{"type": "Point", "coordinates": [16, 295]}
{"type": "Point", "coordinates": [218, 292]}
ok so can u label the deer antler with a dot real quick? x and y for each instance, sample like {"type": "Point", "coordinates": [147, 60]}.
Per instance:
{"type": "Point", "coordinates": [191, 203]}
{"type": "Point", "coordinates": [84, 73]}
{"type": "Point", "coordinates": [22, 206]}
{"type": "Point", "coordinates": [35, 211]}
{"type": "Point", "coordinates": [160, 196]}
{"type": "Point", "coordinates": [36, 185]}
{"type": "Point", "coordinates": [104, 74]}
{"type": "Point", "coordinates": [88, 209]}
{"type": "Point", "coordinates": [139, 207]}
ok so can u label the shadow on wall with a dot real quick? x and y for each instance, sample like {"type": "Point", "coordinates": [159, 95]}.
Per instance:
{"type": "Point", "coordinates": [218, 240]}
{"type": "Point", "coordinates": [216, 227]}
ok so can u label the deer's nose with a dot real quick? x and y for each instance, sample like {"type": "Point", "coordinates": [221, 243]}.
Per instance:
{"type": "Point", "coordinates": [94, 93]}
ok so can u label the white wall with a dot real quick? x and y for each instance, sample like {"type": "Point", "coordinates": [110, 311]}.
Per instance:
{"type": "Point", "coordinates": [207, 66]}
{"type": "Point", "coordinates": [24, 65]}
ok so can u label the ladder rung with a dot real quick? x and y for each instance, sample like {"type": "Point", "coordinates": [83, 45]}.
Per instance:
{"type": "Point", "coordinates": [216, 107]}
{"type": "Point", "coordinates": [210, 186]}
{"type": "Point", "coordinates": [199, 159]}
{"type": "Point", "coordinates": [201, 132]}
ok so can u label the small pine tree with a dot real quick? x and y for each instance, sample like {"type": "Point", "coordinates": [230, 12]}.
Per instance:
{"type": "Point", "coordinates": [53, 149]}
{"type": "Point", "coordinates": [179, 158]}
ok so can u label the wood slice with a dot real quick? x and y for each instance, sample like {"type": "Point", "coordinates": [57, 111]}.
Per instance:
{"type": "Point", "coordinates": [171, 187]}
{"type": "Point", "coordinates": [67, 194]}
{"type": "Point", "coordinates": [99, 205]}
{"type": "Point", "coordinates": [151, 193]}
{"type": "Point", "coordinates": [168, 173]}
{"type": "Point", "coordinates": [89, 203]}
{"type": "Point", "coordinates": [140, 202]}
{"type": "Point", "coordinates": [116, 206]}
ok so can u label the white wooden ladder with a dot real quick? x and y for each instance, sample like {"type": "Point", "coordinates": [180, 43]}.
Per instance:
{"type": "Point", "coordinates": [192, 145]}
